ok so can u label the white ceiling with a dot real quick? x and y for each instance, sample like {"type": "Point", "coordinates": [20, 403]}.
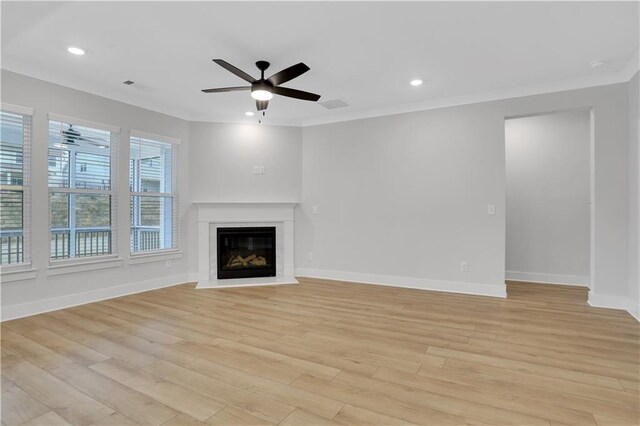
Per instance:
{"type": "Point", "coordinates": [365, 53]}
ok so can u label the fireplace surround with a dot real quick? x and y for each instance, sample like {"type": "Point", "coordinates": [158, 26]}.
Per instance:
{"type": "Point", "coordinates": [219, 215]}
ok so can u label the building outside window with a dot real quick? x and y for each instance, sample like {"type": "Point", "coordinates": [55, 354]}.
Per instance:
{"type": "Point", "coordinates": [153, 199]}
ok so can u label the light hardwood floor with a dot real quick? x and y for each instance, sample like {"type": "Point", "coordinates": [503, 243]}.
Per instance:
{"type": "Point", "coordinates": [324, 353]}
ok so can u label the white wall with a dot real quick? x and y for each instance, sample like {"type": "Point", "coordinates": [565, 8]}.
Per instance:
{"type": "Point", "coordinates": [547, 169]}
{"type": "Point", "coordinates": [222, 157]}
{"type": "Point", "coordinates": [634, 197]}
{"type": "Point", "coordinates": [52, 291]}
{"type": "Point", "coordinates": [404, 198]}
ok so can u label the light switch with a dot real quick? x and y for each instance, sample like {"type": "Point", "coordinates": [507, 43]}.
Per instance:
{"type": "Point", "coordinates": [491, 209]}
{"type": "Point", "coordinates": [314, 210]}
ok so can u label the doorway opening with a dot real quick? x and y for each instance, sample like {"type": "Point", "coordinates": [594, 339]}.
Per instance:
{"type": "Point", "coordinates": [549, 201]}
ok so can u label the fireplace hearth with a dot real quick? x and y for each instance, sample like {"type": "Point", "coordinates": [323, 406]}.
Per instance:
{"type": "Point", "coordinates": [246, 252]}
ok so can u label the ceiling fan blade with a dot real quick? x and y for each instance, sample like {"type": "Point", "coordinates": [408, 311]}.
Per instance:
{"type": "Point", "coordinates": [227, 89]}
{"type": "Point", "coordinates": [288, 74]}
{"type": "Point", "coordinates": [262, 105]}
{"type": "Point", "coordinates": [237, 71]}
{"type": "Point", "coordinates": [297, 94]}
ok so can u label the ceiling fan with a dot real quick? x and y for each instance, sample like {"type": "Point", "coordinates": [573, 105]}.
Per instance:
{"type": "Point", "coordinates": [72, 137]}
{"type": "Point", "coordinates": [263, 89]}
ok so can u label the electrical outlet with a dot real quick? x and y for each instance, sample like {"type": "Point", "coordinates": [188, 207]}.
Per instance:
{"type": "Point", "coordinates": [464, 266]}
{"type": "Point", "coordinates": [314, 210]}
{"type": "Point", "coordinates": [258, 170]}
{"type": "Point", "coordinates": [167, 264]}
{"type": "Point", "coordinates": [491, 209]}
{"type": "Point", "coordinates": [309, 256]}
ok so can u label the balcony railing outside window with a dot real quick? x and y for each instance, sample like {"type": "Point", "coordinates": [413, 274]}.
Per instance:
{"type": "Point", "coordinates": [145, 238]}
{"type": "Point", "coordinates": [11, 247]}
{"type": "Point", "coordinates": [88, 242]}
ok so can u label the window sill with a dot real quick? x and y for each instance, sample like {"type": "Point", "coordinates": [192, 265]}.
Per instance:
{"type": "Point", "coordinates": [82, 265]}
{"type": "Point", "coordinates": [17, 273]}
{"type": "Point", "coordinates": [157, 256]}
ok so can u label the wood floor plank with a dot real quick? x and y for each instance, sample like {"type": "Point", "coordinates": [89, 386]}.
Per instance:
{"type": "Point", "coordinates": [301, 417]}
{"type": "Point", "coordinates": [48, 419]}
{"type": "Point", "coordinates": [266, 408]}
{"type": "Point", "coordinates": [483, 395]}
{"type": "Point", "coordinates": [19, 406]}
{"type": "Point", "coordinates": [325, 352]}
{"type": "Point", "coordinates": [351, 415]}
{"type": "Point", "coordinates": [177, 397]}
{"type": "Point", "coordinates": [122, 399]}
{"type": "Point", "coordinates": [71, 404]}
{"type": "Point", "coordinates": [236, 417]}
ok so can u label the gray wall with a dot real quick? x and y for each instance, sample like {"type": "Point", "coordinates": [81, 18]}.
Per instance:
{"type": "Point", "coordinates": [634, 196]}
{"type": "Point", "coordinates": [407, 195]}
{"type": "Point", "coordinates": [47, 98]}
{"type": "Point", "coordinates": [223, 156]}
{"type": "Point", "coordinates": [548, 180]}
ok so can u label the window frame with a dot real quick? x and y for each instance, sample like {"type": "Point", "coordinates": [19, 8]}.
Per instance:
{"type": "Point", "coordinates": [166, 253]}
{"type": "Point", "coordinates": [67, 265]}
{"type": "Point", "coordinates": [23, 270]}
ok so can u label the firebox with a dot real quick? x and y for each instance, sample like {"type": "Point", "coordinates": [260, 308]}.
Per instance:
{"type": "Point", "coordinates": [246, 252]}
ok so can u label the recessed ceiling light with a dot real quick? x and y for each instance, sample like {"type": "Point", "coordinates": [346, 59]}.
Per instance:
{"type": "Point", "coordinates": [598, 63]}
{"type": "Point", "coordinates": [249, 113]}
{"type": "Point", "coordinates": [416, 82]}
{"type": "Point", "coordinates": [75, 51]}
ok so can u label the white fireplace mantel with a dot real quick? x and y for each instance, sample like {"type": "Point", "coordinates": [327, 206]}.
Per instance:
{"type": "Point", "coordinates": [216, 214]}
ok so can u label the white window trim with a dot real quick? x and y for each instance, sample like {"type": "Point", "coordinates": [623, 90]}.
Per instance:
{"type": "Point", "coordinates": [79, 264]}
{"type": "Point", "coordinates": [83, 122]}
{"type": "Point", "coordinates": [168, 253]}
{"type": "Point", "coordinates": [17, 272]}
{"type": "Point", "coordinates": [155, 256]}
{"type": "Point", "coordinates": [17, 109]}
{"type": "Point", "coordinates": [152, 136]}
{"type": "Point", "coordinates": [22, 271]}
{"type": "Point", "coordinates": [68, 266]}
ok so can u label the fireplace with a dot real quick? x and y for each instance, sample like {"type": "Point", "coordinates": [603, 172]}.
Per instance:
{"type": "Point", "coordinates": [246, 252]}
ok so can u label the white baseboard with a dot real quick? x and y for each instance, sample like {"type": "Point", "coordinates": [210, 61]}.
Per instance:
{"type": "Point", "coordinates": [535, 277]}
{"type": "Point", "coordinates": [615, 302]}
{"type": "Point", "coordinates": [53, 304]}
{"type": "Point", "coordinates": [493, 290]}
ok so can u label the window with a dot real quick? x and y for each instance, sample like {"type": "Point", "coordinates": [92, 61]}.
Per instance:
{"type": "Point", "coordinates": [15, 141]}
{"type": "Point", "coordinates": [81, 189]}
{"type": "Point", "coordinates": [152, 183]}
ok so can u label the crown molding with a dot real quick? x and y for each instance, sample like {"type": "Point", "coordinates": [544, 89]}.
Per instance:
{"type": "Point", "coordinates": [622, 76]}
{"type": "Point", "coordinates": [632, 66]}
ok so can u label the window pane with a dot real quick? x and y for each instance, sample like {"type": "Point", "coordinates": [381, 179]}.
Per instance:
{"type": "Point", "coordinates": [12, 135]}
{"type": "Point", "coordinates": [79, 157]}
{"type": "Point", "coordinates": [80, 225]}
{"type": "Point", "coordinates": [151, 223]}
{"type": "Point", "coordinates": [11, 150]}
{"type": "Point", "coordinates": [150, 168]}
{"type": "Point", "coordinates": [11, 236]}
{"type": "Point", "coordinates": [92, 171]}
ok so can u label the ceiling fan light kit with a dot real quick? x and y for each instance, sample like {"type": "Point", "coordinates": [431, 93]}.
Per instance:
{"type": "Point", "coordinates": [262, 90]}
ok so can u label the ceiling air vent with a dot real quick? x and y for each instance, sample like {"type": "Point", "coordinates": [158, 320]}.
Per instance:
{"type": "Point", "coordinates": [334, 104]}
